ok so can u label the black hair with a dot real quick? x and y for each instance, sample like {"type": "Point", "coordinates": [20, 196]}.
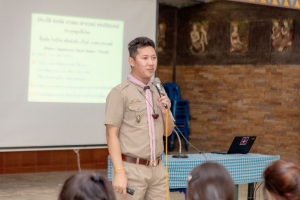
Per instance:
{"type": "Point", "coordinates": [210, 181]}
{"type": "Point", "coordinates": [87, 186]}
{"type": "Point", "coordinates": [137, 43]}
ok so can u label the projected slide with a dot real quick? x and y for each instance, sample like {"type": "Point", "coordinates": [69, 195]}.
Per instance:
{"type": "Point", "coordinates": [74, 60]}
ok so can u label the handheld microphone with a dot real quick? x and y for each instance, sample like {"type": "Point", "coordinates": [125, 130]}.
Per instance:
{"type": "Point", "coordinates": [157, 84]}
{"type": "Point", "coordinates": [130, 191]}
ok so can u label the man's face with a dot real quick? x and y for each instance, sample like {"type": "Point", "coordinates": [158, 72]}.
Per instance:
{"type": "Point", "coordinates": [144, 64]}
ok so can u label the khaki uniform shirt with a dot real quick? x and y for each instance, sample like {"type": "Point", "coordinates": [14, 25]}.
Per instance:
{"type": "Point", "coordinates": [126, 109]}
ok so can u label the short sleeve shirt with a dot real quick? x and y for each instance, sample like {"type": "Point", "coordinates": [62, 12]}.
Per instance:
{"type": "Point", "coordinates": [126, 109]}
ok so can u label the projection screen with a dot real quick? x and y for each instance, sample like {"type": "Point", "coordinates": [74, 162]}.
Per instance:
{"type": "Point", "coordinates": [58, 61]}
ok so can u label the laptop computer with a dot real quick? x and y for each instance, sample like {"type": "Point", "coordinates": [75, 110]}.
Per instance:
{"type": "Point", "coordinates": [240, 145]}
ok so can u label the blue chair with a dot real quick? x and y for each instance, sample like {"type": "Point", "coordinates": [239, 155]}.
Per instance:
{"type": "Point", "coordinates": [180, 111]}
{"type": "Point", "coordinates": [181, 115]}
{"type": "Point", "coordinates": [172, 90]}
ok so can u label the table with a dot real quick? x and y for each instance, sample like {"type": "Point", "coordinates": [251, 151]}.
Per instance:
{"type": "Point", "coordinates": [243, 168]}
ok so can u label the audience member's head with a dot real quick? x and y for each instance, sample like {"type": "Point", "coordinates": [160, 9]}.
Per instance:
{"type": "Point", "coordinates": [87, 186]}
{"type": "Point", "coordinates": [282, 180]}
{"type": "Point", "coordinates": [210, 181]}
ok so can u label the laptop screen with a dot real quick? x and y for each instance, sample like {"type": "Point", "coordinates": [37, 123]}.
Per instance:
{"type": "Point", "coordinates": [241, 144]}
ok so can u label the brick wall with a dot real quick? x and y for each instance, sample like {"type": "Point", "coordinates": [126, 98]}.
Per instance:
{"type": "Point", "coordinates": [243, 100]}
{"type": "Point", "coordinates": [54, 160]}
{"type": "Point", "coordinates": [165, 73]}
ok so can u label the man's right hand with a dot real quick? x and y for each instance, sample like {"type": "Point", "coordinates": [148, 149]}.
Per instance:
{"type": "Point", "coordinates": [120, 183]}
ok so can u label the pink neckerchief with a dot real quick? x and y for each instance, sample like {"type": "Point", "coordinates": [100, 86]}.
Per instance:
{"type": "Point", "coordinates": [149, 105]}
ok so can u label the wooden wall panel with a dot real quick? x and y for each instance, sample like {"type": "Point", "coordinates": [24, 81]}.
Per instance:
{"type": "Point", "coordinates": [219, 15]}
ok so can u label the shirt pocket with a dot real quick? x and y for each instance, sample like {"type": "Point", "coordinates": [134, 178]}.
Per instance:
{"type": "Point", "coordinates": [136, 114]}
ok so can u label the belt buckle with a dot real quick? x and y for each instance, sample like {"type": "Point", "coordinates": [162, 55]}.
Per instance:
{"type": "Point", "coordinates": [148, 163]}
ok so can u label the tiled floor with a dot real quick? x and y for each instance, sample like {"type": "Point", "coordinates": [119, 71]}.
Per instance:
{"type": "Point", "coordinates": [46, 186]}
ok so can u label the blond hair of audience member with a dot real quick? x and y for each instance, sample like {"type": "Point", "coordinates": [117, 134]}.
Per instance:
{"type": "Point", "coordinates": [282, 180]}
{"type": "Point", "coordinates": [87, 186]}
{"type": "Point", "coordinates": [210, 181]}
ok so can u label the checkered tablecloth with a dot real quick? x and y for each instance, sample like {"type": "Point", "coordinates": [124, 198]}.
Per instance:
{"type": "Point", "coordinates": [243, 168]}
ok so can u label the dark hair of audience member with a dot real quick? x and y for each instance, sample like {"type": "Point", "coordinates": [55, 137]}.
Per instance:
{"type": "Point", "coordinates": [210, 181]}
{"type": "Point", "coordinates": [282, 180]}
{"type": "Point", "coordinates": [87, 186]}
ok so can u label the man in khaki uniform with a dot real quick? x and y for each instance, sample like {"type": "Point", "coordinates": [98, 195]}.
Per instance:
{"type": "Point", "coordinates": [135, 120]}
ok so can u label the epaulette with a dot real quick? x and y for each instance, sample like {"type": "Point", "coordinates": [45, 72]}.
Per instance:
{"type": "Point", "coordinates": [123, 85]}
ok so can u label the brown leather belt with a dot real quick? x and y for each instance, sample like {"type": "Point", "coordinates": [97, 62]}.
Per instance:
{"type": "Point", "coordinates": [140, 161]}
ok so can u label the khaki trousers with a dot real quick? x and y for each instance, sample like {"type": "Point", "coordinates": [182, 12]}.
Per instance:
{"type": "Point", "coordinates": [149, 183]}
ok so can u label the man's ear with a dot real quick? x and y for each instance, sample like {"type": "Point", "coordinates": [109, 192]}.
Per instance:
{"type": "Point", "coordinates": [131, 61]}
